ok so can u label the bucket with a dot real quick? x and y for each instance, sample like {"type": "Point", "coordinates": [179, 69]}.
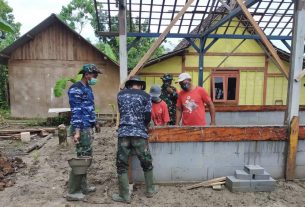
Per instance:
{"type": "Point", "coordinates": [80, 165]}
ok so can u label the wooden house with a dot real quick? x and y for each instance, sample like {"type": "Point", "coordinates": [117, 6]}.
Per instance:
{"type": "Point", "coordinates": [48, 52]}
{"type": "Point", "coordinates": [237, 73]}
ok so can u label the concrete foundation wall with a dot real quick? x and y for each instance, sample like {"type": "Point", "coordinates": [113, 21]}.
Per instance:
{"type": "Point", "coordinates": [252, 118]}
{"type": "Point", "coordinates": [197, 161]}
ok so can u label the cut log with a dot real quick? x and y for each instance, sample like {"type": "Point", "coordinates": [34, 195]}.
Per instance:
{"type": "Point", "coordinates": [39, 145]}
{"type": "Point", "coordinates": [208, 183]}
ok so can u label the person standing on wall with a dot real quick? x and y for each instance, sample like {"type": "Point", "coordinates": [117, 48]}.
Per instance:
{"type": "Point", "coordinates": [135, 114]}
{"type": "Point", "coordinates": [83, 120]}
{"type": "Point", "coordinates": [191, 103]}
{"type": "Point", "coordinates": [159, 114]}
{"type": "Point", "coordinates": [169, 94]}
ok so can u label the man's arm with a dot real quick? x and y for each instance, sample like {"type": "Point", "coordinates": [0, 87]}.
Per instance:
{"type": "Point", "coordinates": [76, 109]}
{"type": "Point", "coordinates": [178, 115]}
{"type": "Point", "coordinates": [147, 112]}
{"type": "Point", "coordinates": [212, 112]}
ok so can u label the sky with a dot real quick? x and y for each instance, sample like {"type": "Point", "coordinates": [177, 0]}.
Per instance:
{"type": "Point", "coordinates": [31, 12]}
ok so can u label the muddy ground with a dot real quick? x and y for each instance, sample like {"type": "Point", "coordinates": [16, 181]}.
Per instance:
{"type": "Point", "coordinates": [43, 182]}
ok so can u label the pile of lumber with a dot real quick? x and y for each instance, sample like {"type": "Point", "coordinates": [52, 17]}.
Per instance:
{"type": "Point", "coordinates": [14, 134]}
{"type": "Point", "coordinates": [8, 166]}
{"type": "Point", "coordinates": [215, 183]}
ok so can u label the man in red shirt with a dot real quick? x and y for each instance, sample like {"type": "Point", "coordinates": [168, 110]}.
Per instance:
{"type": "Point", "coordinates": [191, 103]}
{"type": "Point", "coordinates": [159, 112]}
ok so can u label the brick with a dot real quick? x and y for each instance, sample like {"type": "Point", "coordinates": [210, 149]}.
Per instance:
{"type": "Point", "coordinates": [254, 169]}
{"type": "Point", "coordinates": [233, 182]}
{"type": "Point", "coordinates": [265, 176]}
{"type": "Point", "coordinates": [242, 175]}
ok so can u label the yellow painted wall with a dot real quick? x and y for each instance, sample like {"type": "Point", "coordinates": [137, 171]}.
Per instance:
{"type": "Point", "coordinates": [233, 61]}
{"type": "Point", "coordinates": [251, 88]}
{"type": "Point", "coordinates": [227, 45]}
{"type": "Point", "coordinates": [171, 65]}
{"type": "Point", "coordinates": [276, 90]}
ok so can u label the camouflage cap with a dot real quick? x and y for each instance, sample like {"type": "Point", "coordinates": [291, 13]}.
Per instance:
{"type": "Point", "coordinates": [167, 77]}
{"type": "Point", "coordinates": [89, 68]}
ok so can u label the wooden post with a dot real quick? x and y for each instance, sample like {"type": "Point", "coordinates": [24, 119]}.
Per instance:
{"type": "Point", "coordinates": [260, 32]}
{"type": "Point", "coordinates": [157, 43]}
{"type": "Point", "coordinates": [123, 42]}
{"type": "Point", "coordinates": [293, 94]}
{"type": "Point", "coordinates": [292, 148]}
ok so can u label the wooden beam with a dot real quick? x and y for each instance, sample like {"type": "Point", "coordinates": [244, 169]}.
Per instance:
{"type": "Point", "coordinates": [300, 75]}
{"type": "Point", "coordinates": [218, 134]}
{"type": "Point", "coordinates": [292, 148]}
{"type": "Point", "coordinates": [221, 134]}
{"type": "Point", "coordinates": [264, 38]}
{"type": "Point", "coordinates": [157, 43]}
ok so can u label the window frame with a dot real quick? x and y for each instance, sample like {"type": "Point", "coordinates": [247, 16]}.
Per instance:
{"type": "Point", "coordinates": [225, 75]}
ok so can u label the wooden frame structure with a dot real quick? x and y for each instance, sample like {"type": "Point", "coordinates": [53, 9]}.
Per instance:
{"type": "Point", "coordinates": [269, 19]}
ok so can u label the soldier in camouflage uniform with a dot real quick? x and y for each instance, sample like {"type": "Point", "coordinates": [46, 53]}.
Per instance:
{"type": "Point", "coordinates": [135, 114]}
{"type": "Point", "coordinates": [169, 94]}
{"type": "Point", "coordinates": [83, 120]}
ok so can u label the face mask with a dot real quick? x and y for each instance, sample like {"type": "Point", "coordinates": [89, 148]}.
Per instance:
{"type": "Point", "coordinates": [155, 99]}
{"type": "Point", "coordinates": [92, 81]}
{"type": "Point", "coordinates": [185, 86]}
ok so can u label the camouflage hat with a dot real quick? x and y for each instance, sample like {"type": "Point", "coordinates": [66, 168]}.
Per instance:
{"type": "Point", "coordinates": [89, 68]}
{"type": "Point", "coordinates": [167, 77]}
{"type": "Point", "coordinates": [135, 79]}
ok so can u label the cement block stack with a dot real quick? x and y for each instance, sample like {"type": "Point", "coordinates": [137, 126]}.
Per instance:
{"type": "Point", "coordinates": [253, 178]}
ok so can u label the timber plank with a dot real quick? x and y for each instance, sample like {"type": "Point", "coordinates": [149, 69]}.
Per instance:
{"type": "Point", "coordinates": [221, 134]}
{"type": "Point", "coordinates": [292, 148]}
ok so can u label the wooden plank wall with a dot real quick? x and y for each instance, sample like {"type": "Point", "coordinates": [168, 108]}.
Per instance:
{"type": "Point", "coordinates": [55, 43]}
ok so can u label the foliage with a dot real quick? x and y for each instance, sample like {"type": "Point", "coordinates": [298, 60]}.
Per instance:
{"type": "Point", "coordinates": [77, 13]}
{"type": "Point", "coordinates": [61, 84]}
{"type": "Point", "coordinates": [5, 27]}
{"type": "Point", "coordinates": [7, 38]}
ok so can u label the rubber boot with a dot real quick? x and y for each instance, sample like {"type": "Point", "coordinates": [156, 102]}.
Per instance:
{"type": "Point", "coordinates": [74, 188]}
{"type": "Point", "coordinates": [84, 186]}
{"type": "Point", "coordinates": [149, 183]}
{"type": "Point", "coordinates": [123, 195]}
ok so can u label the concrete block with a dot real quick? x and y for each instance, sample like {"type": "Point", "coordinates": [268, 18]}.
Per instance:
{"type": "Point", "coordinates": [25, 136]}
{"type": "Point", "coordinates": [240, 189]}
{"type": "Point", "coordinates": [263, 188]}
{"type": "Point", "coordinates": [269, 182]}
{"type": "Point", "coordinates": [242, 175]}
{"type": "Point", "coordinates": [264, 176]}
{"type": "Point", "coordinates": [254, 169]}
{"type": "Point", "coordinates": [233, 182]}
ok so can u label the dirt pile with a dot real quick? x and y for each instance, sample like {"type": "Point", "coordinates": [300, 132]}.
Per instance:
{"type": "Point", "coordinates": [8, 166]}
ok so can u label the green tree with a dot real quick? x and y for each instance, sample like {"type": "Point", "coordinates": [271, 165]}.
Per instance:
{"type": "Point", "coordinates": [8, 35]}
{"type": "Point", "coordinates": [78, 13]}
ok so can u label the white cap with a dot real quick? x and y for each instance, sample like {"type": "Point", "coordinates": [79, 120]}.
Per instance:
{"type": "Point", "coordinates": [183, 76]}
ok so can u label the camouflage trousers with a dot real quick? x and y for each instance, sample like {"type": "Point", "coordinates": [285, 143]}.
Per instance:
{"type": "Point", "coordinates": [128, 146]}
{"type": "Point", "coordinates": [84, 148]}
